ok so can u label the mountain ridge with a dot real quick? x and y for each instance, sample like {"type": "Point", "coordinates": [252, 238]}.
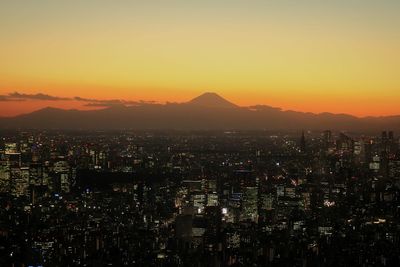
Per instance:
{"type": "Point", "coordinates": [208, 111]}
{"type": "Point", "coordinates": [211, 99]}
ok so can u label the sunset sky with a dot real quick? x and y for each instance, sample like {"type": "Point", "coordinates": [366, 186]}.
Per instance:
{"type": "Point", "coordinates": [336, 56]}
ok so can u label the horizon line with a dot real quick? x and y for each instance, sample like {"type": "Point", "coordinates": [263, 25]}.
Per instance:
{"type": "Point", "coordinates": [103, 104]}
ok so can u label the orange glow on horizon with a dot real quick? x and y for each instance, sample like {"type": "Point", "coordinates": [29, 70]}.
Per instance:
{"type": "Point", "coordinates": [380, 107]}
{"type": "Point", "coordinates": [303, 56]}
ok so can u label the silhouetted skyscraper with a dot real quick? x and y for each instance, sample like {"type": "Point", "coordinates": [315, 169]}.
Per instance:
{"type": "Point", "coordinates": [391, 136]}
{"type": "Point", "coordinates": [303, 143]}
{"type": "Point", "coordinates": [327, 137]}
{"type": "Point", "coordinates": [384, 136]}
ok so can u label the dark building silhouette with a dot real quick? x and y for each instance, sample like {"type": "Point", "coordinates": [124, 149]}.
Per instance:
{"type": "Point", "coordinates": [303, 142]}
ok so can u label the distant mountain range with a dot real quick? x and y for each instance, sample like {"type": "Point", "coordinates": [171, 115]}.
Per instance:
{"type": "Point", "coordinates": [208, 111]}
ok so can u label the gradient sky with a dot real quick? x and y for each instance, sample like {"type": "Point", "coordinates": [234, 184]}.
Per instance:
{"type": "Point", "coordinates": [335, 56]}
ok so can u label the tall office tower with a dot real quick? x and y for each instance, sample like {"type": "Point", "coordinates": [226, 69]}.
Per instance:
{"type": "Point", "coordinates": [384, 136]}
{"type": "Point", "coordinates": [5, 178]}
{"type": "Point", "coordinates": [36, 174]}
{"type": "Point", "coordinates": [393, 144]}
{"type": "Point", "coordinates": [11, 155]}
{"type": "Point", "coordinates": [327, 140]}
{"type": "Point", "coordinates": [394, 169]}
{"type": "Point", "coordinates": [10, 148]}
{"type": "Point", "coordinates": [368, 152]}
{"type": "Point", "coordinates": [303, 143]}
{"type": "Point", "coordinates": [212, 199]}
{"type": "Point", "coordinates": [391, 136]}
{"type": "Point", "coordinates": [199, 202]}
{"type": "Point", "coordinates": [384, 142]}
{"type": "Point", "coordinates": [250, 204]}
{"type": "Point", "coordinates": [358, 147]}
{"type": "Point", "coordinates": [63, 175]}
{"type": "Point", "coordinates": [267, 201]}
{"type": "Point", "coordinates": [20, 181]}
{"type": "Point", "coordinates": [345, 144]}
{"type": "Point", "coordinates": [212, 186]}
{"type": "Point", "coordinates": [327, 135]}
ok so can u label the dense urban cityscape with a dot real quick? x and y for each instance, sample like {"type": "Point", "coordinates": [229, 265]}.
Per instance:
{"type": "Point", "coordinates": [205, 198]}
{"type": "Point", "coordinates": [178, 133]}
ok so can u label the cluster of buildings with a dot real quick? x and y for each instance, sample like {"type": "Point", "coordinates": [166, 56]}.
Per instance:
{"type": "Point", "coordinates": [199, 199]}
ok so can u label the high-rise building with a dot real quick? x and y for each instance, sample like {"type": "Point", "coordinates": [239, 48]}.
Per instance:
{"type": "Point", "coordinates": [303, 142]}
{"type": "Point", "coordinates": [10, 148]}
{"type": "Point", "coordinates": [345, 144]}
{"type": "Point", "coordinates": [391, 136]}
{"type": "Point", "coordinates": [212, 199]}
{"type": "Point", "coordinates": [199, 202]}
{"type": "Point", "coordinates": [63, 176]}
{"type": "Point", "coordinates": [20, 181]}
{"type": "Point", "coordinates": [36, 174]}
{"type": "Point", "coordinates": [250, 204]}
{"type": "Point", "coordinates": [384, 136]}
{"type": "Point", "coordinates": [327, 136]}
{"type": "Point", "coordinates": [5, 176]}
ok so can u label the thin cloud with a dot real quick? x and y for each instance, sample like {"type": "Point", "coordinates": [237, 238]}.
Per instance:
{"type": "Point", "coordinates": [90, 102]}
{"type": "Point", "coordinates": [4, 98]}
{"type": "Point", "coordinates": [38, 96]}
{"type": "Point", "coordinates": [104, 104]}
{"type": "Point", "coordinates": [116, 102]}
{"type": "Point", "coordinates": [96, 105]}
{"type": "Point", "coordinates": [78, 98]}
{"type": "Point", "coordinates": [111, 102]}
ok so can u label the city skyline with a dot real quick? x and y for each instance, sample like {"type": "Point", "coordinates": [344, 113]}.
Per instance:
{"type": "Point", "coordinates": [200, 133]}
{"type": "Point", "coordinates": [311, 57]}
{"type": "Point", "coordinates": [198, 198]}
